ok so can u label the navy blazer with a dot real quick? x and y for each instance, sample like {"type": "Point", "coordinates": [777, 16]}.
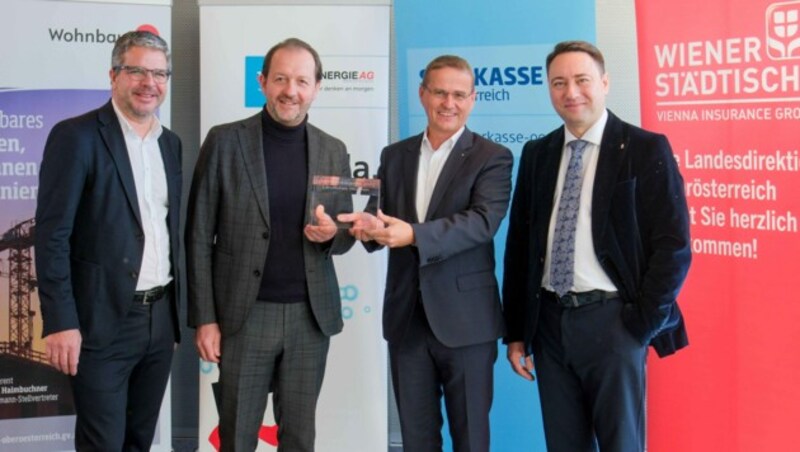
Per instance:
{"type": "Point", "coordinates": [452, 264]}
{"type": "Point", "coordinates": [89, 239]}
{"type": "Point", "coordinates": [640, 229]}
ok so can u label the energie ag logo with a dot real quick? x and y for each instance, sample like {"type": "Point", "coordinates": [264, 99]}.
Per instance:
{"type": "Point", "coordinates": [348, 78]}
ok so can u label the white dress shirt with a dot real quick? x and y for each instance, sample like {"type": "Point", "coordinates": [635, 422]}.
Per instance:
{"type": "Point", "coordinates": [153, 198]}
{"type": "Point", "coordinates": [589, 275]}
{"type": "Point", "coordinates": [431, 162]}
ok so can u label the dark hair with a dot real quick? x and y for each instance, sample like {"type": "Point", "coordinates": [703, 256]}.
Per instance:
{"type": "Point", "coordinates": [137, 39]}
{"type": "Point", "coordinates": [293, 43]}
{"type": "Point", "coordinates": [578, 46]}
{"type": "Point", "coordinates": [451, 61]}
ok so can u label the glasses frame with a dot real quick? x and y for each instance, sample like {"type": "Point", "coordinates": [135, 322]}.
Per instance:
{"type": "Point", "coordinates": [139, 73]}
{"type": "Point", "coordinates": [458, 96]}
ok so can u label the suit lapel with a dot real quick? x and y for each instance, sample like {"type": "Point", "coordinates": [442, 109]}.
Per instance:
{"type": "Point", "coordinates": [111, 131]}
{"type": "Point", "coordinates": [410, 167]}
{"type": "Point", "coordinates": [612, 154]}
{"type": "Point", "coordinates": [251, 148]}
{"type": "Point", "coordinates": [314, 158]}
{"type": "Point", "coordinates": [451, 167]}
{"type": "Point", "coordinates": [545, 179]}
{"type": "Point", "coordinates": [172, 166]}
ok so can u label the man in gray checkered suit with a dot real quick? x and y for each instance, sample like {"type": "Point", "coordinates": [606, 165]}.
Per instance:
{"type": "Point", "coordinates": [263, 292]}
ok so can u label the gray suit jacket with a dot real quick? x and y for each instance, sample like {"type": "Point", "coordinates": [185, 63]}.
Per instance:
{"type": "Point", "coordinates": [228, 227]}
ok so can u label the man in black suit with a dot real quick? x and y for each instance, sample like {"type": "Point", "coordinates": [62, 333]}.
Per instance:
{"type": "Point", "coordinates": [107, 251]}
{"type": "Point", "coordinates": [587, 299]}
{"type": "Point", "coordinates": [443, 195]}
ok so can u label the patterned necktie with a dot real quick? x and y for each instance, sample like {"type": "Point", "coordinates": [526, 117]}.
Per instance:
{"type": "Point", "coordinates": [563, 253]}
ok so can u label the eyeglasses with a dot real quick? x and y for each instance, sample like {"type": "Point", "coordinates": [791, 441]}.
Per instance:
{"type": "Point", "coordinates": [139, 73]}
{"type": "Point", "coordinates": [440, 94]}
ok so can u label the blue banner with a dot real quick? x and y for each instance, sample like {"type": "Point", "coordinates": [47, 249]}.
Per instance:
{"type": "Point", "coordinates": [506, 42]}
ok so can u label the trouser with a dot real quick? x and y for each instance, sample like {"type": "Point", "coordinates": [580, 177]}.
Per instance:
{"type": "Point", "coordinates": [118, 389]}
{"type": "Point", "coordinates": [591, 376]}
{"type": "Point", "coordinates": [280, 349]}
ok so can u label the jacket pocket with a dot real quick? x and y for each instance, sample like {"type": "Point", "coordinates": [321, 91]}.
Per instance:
{"type": "Point", "coordinates": [472, 281]}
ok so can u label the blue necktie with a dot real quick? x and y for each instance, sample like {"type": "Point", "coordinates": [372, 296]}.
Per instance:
{"type": "Point", "coordinates": [562, 262]}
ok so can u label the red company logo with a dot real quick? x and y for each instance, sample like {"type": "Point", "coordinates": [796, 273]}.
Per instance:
{"type": "Point", "coordinates": [783, 30]}
{"type": "Point", "coordinates": [148, 27]}
{"type": "Point", "coordinates": [266, 433]}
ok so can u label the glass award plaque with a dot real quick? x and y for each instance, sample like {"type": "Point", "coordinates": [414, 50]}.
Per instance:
{"type": "Point", "coordinates": [329, 190]}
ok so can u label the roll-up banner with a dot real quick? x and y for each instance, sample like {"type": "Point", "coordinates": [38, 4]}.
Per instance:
{"type": "Point", "coordinates": [55, 58]}
{"type": "Point", "coordinates": [506, 42]}
{"type": "Point", "coordinates": [352, 105]}
{"type": "Point", "coordinates": [722, 80]}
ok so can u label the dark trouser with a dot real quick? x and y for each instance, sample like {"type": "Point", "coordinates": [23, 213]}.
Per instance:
{"type": "Point", "coordinates": [118, 390]}
{"type": "Point", "coordinates": [591, 374]}
{"type": "Point", "coordinates": [422, 369]}
{"type": "Point", "coordinates": [280, 349]}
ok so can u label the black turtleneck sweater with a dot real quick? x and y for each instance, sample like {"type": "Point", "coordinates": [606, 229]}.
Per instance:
{"type": "Point", "coordinates": [286, 162]}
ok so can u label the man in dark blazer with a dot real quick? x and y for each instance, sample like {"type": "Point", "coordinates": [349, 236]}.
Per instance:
{"type": "Point", "coordinates": [107, 250]}
{"type": "Point", "coordinates": [630, 255]}
{"type": "Point", "coordinates": [443, 195]}
{"type": "Point", "coordinates": [263, 292]}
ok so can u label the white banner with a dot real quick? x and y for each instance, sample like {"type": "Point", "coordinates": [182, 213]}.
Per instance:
{"type": "Point", "coordinates": [353, 105]}
{"type": "Point", "coordinates": [55, 60]}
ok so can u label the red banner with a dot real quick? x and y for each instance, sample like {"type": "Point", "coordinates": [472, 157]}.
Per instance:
{"type": "Point", "coordinates": [721, 79]}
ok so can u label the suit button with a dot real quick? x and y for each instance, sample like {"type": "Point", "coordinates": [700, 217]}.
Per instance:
{"type": "Point", "coordinates": [134, 275]}
{"type": "Point", "coordinates": [265, 235]}
{"type": "Point", "coordinates": [257, 273]}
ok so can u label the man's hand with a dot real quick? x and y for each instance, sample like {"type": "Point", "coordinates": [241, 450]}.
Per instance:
{"type": "Point", "coordinates": [63, 350]}
{"type": "Point", "coordinates": [521, 364]}
{"type": "Point", "coordinates": [325, 228]}
{"type": "Point", "coordinates": [363, 222]}
{"type": "Point", "coordinates": [396, 234]}
{"type": "Point", "coordinates": [207, 339]}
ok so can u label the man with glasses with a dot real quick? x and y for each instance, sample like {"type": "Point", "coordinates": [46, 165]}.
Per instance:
{"type": "Point", "coordinates": [107, 251]}
{"type": "Point", "coordinates": [443, 195]}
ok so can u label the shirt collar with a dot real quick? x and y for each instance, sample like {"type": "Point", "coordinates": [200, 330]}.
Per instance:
{"type": "Point", "coordinates": [448, 143]}
{"type": "Point", "coordinates": [594, 135]}
{"type": "Point", "coordinates": [127, 128]}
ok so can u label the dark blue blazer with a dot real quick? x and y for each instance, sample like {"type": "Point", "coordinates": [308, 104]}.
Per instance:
{"type": "Point", "coordinates": [89, 239]}
{"type": "Point", "coordinates": [452, 265]}
{"type": "Point", "coordinates": [640, 229]}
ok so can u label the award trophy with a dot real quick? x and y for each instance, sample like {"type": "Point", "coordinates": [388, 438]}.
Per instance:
{"type": "Point", "coordinates": [326, 189]}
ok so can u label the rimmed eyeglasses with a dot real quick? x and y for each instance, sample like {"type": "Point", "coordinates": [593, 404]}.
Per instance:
{"type": "Point", "coordinates": [139, 73]}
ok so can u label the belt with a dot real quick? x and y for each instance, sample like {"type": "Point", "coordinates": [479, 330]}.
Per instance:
{"type": "Point", "coordinates": [150, 296]}
{"type": "Point", "coordinates": [578, 299]}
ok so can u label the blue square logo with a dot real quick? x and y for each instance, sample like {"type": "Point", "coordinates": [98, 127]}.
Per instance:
{"type": "Point", "coordinates": [253, 97]}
